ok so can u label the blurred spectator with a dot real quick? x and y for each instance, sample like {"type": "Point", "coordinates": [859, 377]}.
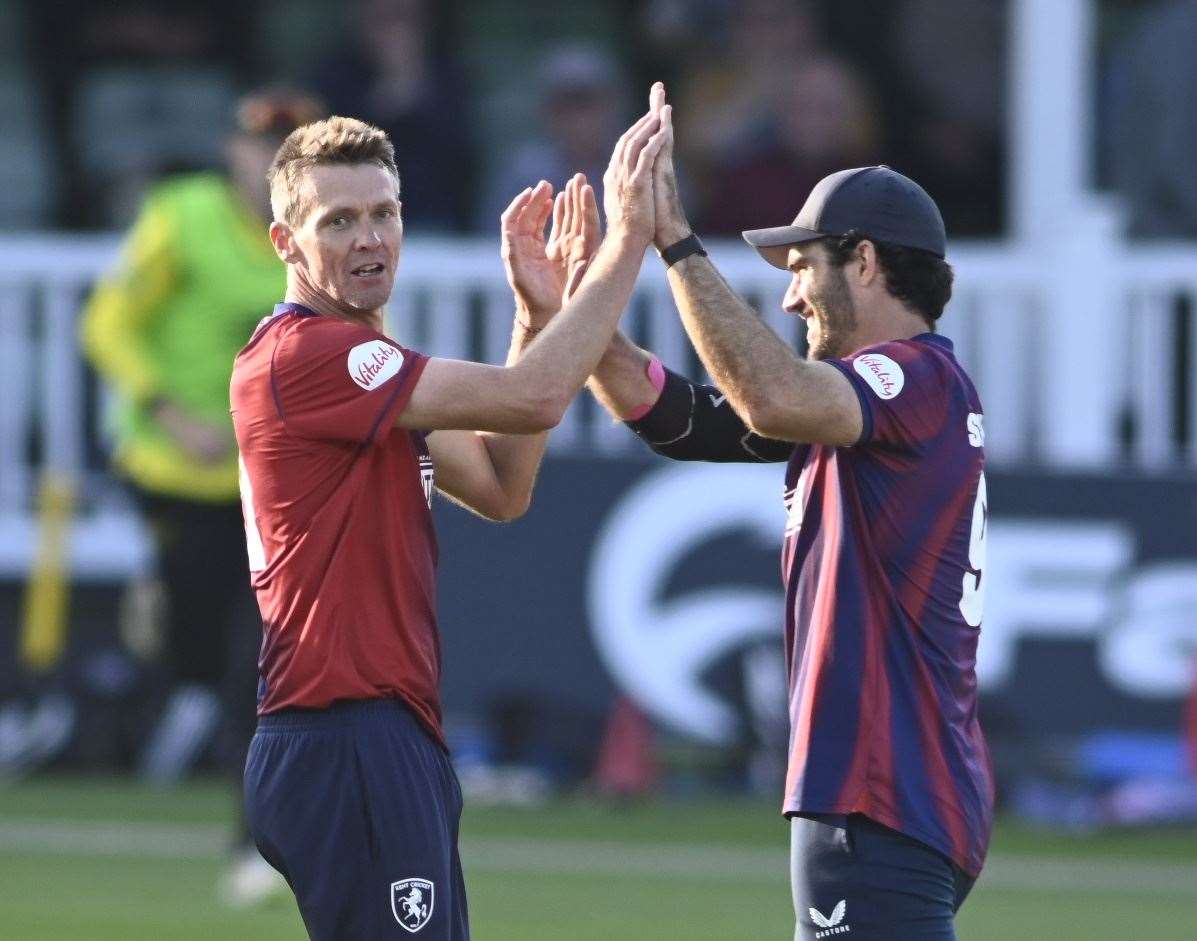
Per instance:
{"type": "Point", "coordinates": [820, 119]}
{"type": "Point", "coordinates": [198, 272]}
{"type": "Point", "coordinates": [724, 96]}
{"type": "Point", "coordinates": [392, 75]}
{"type": "Point", "coordinates": [27, 172]}
{"type": "Point", "coordinates": [148, 89]}
{"type": "Point", "coordinates": [674, 37]}
{"type": "Point", "coordinates": [581, 107]}
{"type": "Point", "coordinates": [948, 115]}
{"type": "Point", "coordinates": [1152, 147]}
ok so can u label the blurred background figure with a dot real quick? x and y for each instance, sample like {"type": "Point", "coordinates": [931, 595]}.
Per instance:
{"type": "Point", "coordinates": [154, 86]}
{"type": "Point", "coordinates": [728, 76]}
{"type": "Point", "coordinates": [391, 73]}
{"type": "Point", "coordinates": [819, 117]}
{"type": "Point", "coordinates": [949, 105]}
{"type": "Point", "coordinates": [196, 274]}
{"type": "Point", "coordinates": [1151, 146]}
{"type": "Point", "coordinates": [582, 99]}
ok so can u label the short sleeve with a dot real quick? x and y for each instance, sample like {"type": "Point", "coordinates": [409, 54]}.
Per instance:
{"type": "Point", "coordinates": [339, 381]}
{"type": "Point", "coordinates": [902, 388]}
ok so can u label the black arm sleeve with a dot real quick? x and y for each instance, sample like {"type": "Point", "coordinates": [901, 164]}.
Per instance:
{"type": "Point", "coordinates": [690, 422]}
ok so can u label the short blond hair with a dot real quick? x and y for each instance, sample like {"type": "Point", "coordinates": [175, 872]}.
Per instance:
{"type": "Point", "coordinates": [334, 140]}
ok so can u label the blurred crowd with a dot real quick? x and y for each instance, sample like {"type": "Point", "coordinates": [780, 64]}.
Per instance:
{"type": "Point", "coordinates": [483, 97]}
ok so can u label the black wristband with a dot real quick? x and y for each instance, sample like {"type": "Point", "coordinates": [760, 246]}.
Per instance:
{"type": "Point", "coordinates": [688, 246]}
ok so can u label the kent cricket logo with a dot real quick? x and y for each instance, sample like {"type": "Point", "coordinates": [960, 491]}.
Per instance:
{"type": "Point", "coordinates": [373, 363]}
{"type": "Point", "coordinates": [411, 903]}
{"type": "Point", "coordinates": [830, 924]}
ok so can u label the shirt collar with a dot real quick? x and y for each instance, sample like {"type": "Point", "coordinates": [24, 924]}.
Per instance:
{"type": "Point", "coordinates": [290, 307]}
{"type": "Point", "coordinates": [934, 339]}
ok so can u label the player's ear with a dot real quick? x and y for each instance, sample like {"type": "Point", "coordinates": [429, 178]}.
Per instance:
{"type": "Point", "coordinates": [865, 262]}
{"type": "Point", "coordinates": [282, 237]}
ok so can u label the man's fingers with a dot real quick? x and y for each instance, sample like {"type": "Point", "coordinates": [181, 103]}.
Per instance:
{"type": "Point", "coordinates": [571, 214]}
{"type": "Point", "coordinates": [590, 218]}
{"type": "Point", "coordinates": [635, 145]}
{"type": "Point", "coordinates": [648, 153]}
{"type": "Point", "coordinates": [664, 161]}
{"type": "Point", "coordinates": [567, 208]}
{"type": "Point", "coordinates": [656, 97]}
{"type": "Point", "coordinates": [578, 183]}
{"type": "Point", "coordinates": [514, 209]}
{"type": "Point", "coordinates": [541, 205]}
{"type": "Point", "coordinates": [557, 230]}
{"type": "Point", "coordinates": [531, 218]}
{"type": "Point", "coordinates": [620, 157]}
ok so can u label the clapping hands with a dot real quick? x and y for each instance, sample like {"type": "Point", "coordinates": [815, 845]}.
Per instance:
{"type": "Point", "coordinates": [640, 200]}
{"type": "Point", "coordinates": [543, 273]}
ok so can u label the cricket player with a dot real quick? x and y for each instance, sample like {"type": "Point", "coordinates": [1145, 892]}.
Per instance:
{"type": "Point", "coordinates": [889, 787]}
{"type": "Point", "coordinates": [343, 435]}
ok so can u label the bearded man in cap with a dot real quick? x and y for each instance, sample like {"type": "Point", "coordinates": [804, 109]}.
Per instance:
{"type": "Point", "coordinates": [889, 789]}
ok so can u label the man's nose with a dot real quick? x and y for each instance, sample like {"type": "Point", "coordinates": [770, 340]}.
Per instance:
{"type": "Point", "coordinates": [792, 303]}
{"type": "Point", "coordinates": [368, 237]}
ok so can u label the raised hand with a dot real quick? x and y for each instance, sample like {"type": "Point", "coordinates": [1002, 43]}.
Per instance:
{"type": "Point", "coordinates": [669, 217]}
{"type": "Point", "coordinates": [576, 226]}
{"type": "Point", "coordinates": [628, 183]}
{"type": "Point", "coordinates": [537, 278]}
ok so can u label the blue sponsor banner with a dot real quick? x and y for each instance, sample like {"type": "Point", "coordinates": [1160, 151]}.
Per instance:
{"type": "Point", "coordinates": [661, 580]}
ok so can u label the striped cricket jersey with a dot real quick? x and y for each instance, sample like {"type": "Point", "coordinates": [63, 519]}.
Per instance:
{"type": "Point", "coordinates": [883, 558]}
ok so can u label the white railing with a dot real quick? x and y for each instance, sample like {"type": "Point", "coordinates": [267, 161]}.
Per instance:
{"type": "Point", "coordinates": [452, 300]}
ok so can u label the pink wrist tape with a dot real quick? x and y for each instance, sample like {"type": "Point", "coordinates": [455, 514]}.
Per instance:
{"type": "Point", "coordinates": [656, 375]}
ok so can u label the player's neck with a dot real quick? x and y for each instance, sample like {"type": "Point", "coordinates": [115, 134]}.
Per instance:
{"type": "Point", "coordinates": [299, 291]}
{"type": "Point", "coordinates": [893, 321]}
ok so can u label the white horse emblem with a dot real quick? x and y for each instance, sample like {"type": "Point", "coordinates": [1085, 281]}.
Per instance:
{"type": "Point", "coordinates": [411, 903]}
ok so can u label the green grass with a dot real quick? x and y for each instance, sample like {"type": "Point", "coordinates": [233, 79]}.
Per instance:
{"type": "Point", "coordinates": [572, 869]}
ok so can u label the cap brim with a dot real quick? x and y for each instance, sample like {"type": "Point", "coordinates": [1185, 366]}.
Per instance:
{"type": "Point", "coordinates": [773, 243]}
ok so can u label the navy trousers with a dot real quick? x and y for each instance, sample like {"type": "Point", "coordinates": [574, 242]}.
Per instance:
{"type": "Point", "coordinates": [852, 876]}
{"type": "Point", "coordinates": [358, 807]}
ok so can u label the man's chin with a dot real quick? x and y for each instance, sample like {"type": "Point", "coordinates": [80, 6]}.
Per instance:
{"type": "Point", "coordinates": [369, 300]}
{"type": "Point", "coordinates": [822, 351]}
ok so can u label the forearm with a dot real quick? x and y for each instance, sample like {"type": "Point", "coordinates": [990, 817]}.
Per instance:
{"type": "Point", "coordinates": [621, 382]}
{"type": "Point", "coordinates": [516, 458]}
{"type": "Point", "coordinates": [691, 422]}
{"type": "Point", "coordinates": [747, 360]}
{"type": "Point", "coordinates": [570, 347]}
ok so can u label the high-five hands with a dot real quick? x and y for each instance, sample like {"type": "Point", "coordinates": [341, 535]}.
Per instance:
{"type": "Point", "coordinates": [670, 219]}
{"type": "Point", "coordinates": [628, 182]}
{"type": "Point", "coordinates": [640, 199]}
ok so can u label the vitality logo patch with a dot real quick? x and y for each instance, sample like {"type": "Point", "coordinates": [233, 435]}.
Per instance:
{"type": "Point", "coordinates": [373, 363]}
{"type": "Point", "coordinates": [411, 903]}
{"type": "Point", "coordinates": [884, 376]}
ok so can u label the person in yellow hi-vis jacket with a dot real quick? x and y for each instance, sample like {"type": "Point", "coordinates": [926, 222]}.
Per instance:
{"type": "Point", "coordinates": [196, 275]}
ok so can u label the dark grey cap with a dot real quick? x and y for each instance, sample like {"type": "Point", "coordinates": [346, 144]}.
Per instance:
{"type": "Point", "coordinates": [875, 201]}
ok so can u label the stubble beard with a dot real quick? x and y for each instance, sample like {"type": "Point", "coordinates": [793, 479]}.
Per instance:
{"type": "Point", "coordinates": [835, 318]}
